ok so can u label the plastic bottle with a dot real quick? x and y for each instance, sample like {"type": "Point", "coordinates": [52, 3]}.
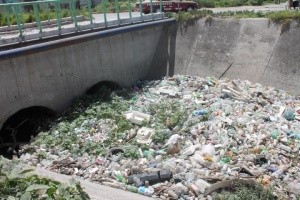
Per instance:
{"type": "Point", "coordinates": [274, 134]}
{"type": "Point", "coordinates": [200, 112]}
{"type": "Point", "coordinates": [189, 150]}
{"type": "Point", "coordinates": [297, 188]}
{"type": "Point", "coordinates": [289, 115]}
{"type": "Point", "coordinates": [280, 171]}
{"type": "Point", "coordinates": [137, 181]}
{"type": "Point", "coordinates": [120, 177]}
{"type": "Point", "coordinates": [132, 188]}
{"type": "Point", "coordinates": [172, 194]}
{"type": "Point", "coordinates": [146, 191]}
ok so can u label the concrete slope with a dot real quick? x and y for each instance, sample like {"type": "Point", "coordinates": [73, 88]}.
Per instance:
{"type": "Point", "coordinates": [94, 190]}
{"type": "Point", "coordinates": [253, 49]}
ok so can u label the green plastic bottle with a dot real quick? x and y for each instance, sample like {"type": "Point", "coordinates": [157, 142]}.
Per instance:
{"type": "Point", "coordinates": [132, 188]}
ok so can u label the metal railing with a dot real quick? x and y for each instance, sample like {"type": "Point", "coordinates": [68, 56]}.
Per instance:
{"type": "Point", "coordinates": [19, 14]}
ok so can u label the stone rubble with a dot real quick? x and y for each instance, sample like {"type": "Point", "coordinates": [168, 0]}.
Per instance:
{"type": "Point", "coordinates": [229, 130]}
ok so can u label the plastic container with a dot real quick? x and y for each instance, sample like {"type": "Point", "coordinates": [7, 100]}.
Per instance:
{"type": "Point", "coordinates": [146, 191]}
{"type": "Point", "coordinates": [200, 112]}
{"type": "Point", "coordinates": [120, 177]}
{"type": "Point", "coordinates": [132, 188]}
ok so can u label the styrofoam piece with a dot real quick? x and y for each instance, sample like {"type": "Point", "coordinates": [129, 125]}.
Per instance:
{"type": "Point", "coordinates": [136, 117]}
{"type": "Point", "coordinates": [144, 135]}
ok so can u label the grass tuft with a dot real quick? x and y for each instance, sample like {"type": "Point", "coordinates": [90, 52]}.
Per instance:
{"type": "Point", "coordinates": [246, 193]}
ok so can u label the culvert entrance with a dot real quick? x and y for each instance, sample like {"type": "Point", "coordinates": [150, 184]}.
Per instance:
{"type": "Point", "coordinates": [22, 127]}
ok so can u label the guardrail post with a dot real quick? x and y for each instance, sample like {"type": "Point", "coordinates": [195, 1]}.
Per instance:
{"type": "Point", "coordinates": [104, 12]}
{"type": "Point", "coordinates": [18, 10]}
{"type": "Point", "coordinates": [151, 9]}
{"type": "Point", "coordinates": [141, 10]}
{"type": "Point", "coordinates": [58, 13]}
{"type": "Point", "coordinates": [73, 11]}
{"type": "Point", "coordinates": [130, 9]}
{"type": "Point", "coordinates": [18, 21]}
{"type": "Point", "coordinates": [118, 10]}
{"type": "Point", "coordinates": [161, 8]}
{"type": "Point", "coordinates": [37, 16]}
{"type": "Point", "coordinates": [90, 11]}
{"type": "Point", "coordinates": [48, 9]}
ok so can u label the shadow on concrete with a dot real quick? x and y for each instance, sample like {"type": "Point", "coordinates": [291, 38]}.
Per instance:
{"type": "Point", "coordinates": [172, 49]}
{"type": "Point", "coordinates": [163, 61]}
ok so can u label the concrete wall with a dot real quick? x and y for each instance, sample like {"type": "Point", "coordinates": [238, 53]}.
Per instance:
{"type": "Point", "coordinates": [52, 74]}
{"type": "Point", "coordinates": [251, 49]}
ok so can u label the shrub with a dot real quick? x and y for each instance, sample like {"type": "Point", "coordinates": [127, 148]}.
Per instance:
{"type": "Point", "coordinates": [205, 4]}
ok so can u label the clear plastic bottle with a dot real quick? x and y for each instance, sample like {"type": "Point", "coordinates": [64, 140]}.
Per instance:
{"type": "Point", "coordinates": [146, 191]}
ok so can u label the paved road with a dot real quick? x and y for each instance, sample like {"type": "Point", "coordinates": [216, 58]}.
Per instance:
{"type": "Point", "coordinates": [113, 16]}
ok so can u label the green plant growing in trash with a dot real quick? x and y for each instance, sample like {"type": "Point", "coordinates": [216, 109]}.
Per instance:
{"type": "Point", "coordinates": [170, 113]}
{"type": "Point", "coordinates": [79, 118]}
{"type": "Point", "coordinates": [105, 104]}
{"type": "Point", "coordinates": [161, 135]}
{"type": "Point", "coordinates": [246, 193]}
{"type": "Point", "coordinates": [42, 155]}
{"type": "Point", "coordinates": [19, 182]}
{"type": "Point", "coordinates": [132, 152]}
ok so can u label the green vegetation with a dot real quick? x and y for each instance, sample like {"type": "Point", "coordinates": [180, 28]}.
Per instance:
{"type": "Point", "coordinates": [279, 16]}
{"type": "Point", "coordinates": [83, 120]}
{"type": "Point", "coordinates": [284, 15]}
{"type": "Point", "coordinates": [27, 17]}
{"type": "Point", "coordinates": [111, 7]}
{"type": "Point", "coordinates": [19, 182]}
{"type": "Point", "coordinates": [246, 193]}
{"type": "Point", "coordinates": [230, 3]}
{"type": "Point", "coordinates": [85, 111]}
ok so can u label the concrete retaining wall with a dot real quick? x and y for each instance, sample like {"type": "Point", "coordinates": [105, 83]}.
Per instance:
{"type": "Point", "coordinates": [52, 74]}
{"type": "Point", "coordinates": [251, 49]}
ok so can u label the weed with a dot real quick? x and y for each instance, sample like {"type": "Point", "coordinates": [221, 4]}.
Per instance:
{"type": "Point", "coordinates": [186, 19]}
{"type": "Point", "coordinates": [41, 155]}
{"type": "Point", "coordinates": [132, 152]}
{"type": "Point", "coordinates": [285, 26]}
{"type": "Point", "coordinates": [19, 182]}
{"type": "Point", "coordinates": [28, 17]}
{"type": "Point", "coordinates": [229, 3]}
{"type": "Point", "coordinates": [161, 135]}
{"type": "Point", "coordinates": [246, 193]}
{"type": "Point", "coordinates": [208, 20]}
{"type": "Point", "coordinates": [169, 113]}
{"type": "Point", "coordinates": [283, 15]}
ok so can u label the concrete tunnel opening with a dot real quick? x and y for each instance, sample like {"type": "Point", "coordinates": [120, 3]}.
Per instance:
{"type": "Point", "coordinates": [22, 127]}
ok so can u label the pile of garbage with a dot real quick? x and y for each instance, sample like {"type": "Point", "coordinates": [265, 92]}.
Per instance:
{"type": "Point", "coordinates": [181, 137]}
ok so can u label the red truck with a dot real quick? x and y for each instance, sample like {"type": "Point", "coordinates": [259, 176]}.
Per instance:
{"type": "Point", "coordinates": [167, 6]}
